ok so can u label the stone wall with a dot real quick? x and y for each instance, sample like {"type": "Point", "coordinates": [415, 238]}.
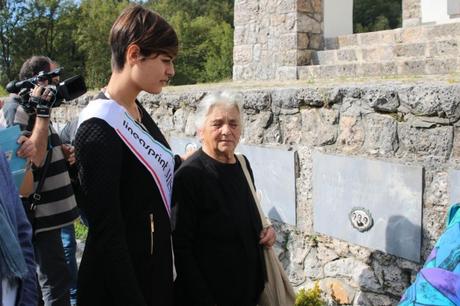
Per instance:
{"type": "Point", "coordinates": [414, 124]}
{"type": "Point", "coordinates": [273, 37]}
{"type": "Point", "coordinates": [412, 13]}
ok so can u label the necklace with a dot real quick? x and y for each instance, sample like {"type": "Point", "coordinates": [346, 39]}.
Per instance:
{"type": "Point", "coordinates": [139, 114]}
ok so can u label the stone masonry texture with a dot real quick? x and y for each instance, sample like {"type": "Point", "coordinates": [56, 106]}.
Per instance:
{"type": "Point", "coordinates": [273, 37]}
{"type": "Point", "coordinates": [283, 40]}
{"type": "Point", "coordinates": [412, 12]}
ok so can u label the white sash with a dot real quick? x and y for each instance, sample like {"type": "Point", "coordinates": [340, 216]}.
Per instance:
{"type": "Point", "coordinates": [158, 159]}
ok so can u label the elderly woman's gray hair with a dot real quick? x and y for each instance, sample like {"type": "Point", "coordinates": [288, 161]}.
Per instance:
{"type": "Point", "coordinates": [224, 98]}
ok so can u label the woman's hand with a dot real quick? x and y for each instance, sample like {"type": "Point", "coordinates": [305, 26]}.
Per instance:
{"type": "Point", "coordinates": [69, 153]}
{"type": "Point", "coordinates": [268, 237]}
{"type": "Point", "coordinates": [189, 152]}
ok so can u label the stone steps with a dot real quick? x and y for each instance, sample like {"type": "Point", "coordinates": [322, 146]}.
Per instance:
{"type": "Point", "coordinates": [398, 67]}
{"type": "Point", "coordinates": [385, 52]}
{"type": "Point", "coordinates": [420, 50]}
{"type": "Point", "coordinates": [418, 34]}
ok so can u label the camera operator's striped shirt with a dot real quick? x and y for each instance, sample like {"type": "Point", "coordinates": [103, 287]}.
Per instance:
{"type": "Point", "coordinates": [57, 206]}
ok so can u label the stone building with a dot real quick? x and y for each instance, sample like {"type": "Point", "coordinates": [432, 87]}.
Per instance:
{"type": "Point", "coordinates": [305, 39]}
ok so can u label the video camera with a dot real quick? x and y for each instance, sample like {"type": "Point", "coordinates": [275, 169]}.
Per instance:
{"type": "Point", "coordinates": [67, 90]}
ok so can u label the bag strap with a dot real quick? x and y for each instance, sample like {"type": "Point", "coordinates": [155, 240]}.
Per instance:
{"type": "Point", "coordinates": [265, 221]}
{"type": "Point", "coordinates": [36, 197]}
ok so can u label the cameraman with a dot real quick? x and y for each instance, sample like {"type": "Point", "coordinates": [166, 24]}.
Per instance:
{"type": "Point", "coordinates": [55, 205]}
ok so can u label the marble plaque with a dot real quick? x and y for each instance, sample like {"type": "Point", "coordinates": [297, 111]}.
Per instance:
{"type": "Point", "coordinates": [371, 203]}
{"type": "Point", "coordinates": [454, 186]}
{"type": "Point", "coordinates": [274, 174]}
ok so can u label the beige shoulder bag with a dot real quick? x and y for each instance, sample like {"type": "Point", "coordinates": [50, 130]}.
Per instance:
{"type": "Point", "coordinates": [278, 290]}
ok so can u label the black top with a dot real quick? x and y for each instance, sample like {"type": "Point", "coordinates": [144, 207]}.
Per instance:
{"type": "Point", "coordinates": [216, 238]}
{"type": "Point", "coordinates": [124, 262]}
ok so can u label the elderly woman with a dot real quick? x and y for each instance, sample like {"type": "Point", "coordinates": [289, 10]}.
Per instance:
{"type": "Point", "coordinates": [218, 237]}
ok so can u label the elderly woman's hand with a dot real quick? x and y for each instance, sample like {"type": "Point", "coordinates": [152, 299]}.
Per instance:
{"type": "Point", "coordinates": [268, 237]}
{"type": "Point", "coordinates": [188, 153]}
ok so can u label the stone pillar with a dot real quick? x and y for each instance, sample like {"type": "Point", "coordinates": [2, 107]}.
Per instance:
{"type": "Point", "coordinates": [412, 13]}
{"type": "Point", "coordinates": [453, 8]}
{"type": "Point", "coordinates": [310, 29]}
{"type": "Point", "coordinates": [273, 37]}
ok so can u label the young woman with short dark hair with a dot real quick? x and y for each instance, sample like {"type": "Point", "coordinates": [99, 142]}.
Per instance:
{"type": "Point", "coordinates": [125, 167]}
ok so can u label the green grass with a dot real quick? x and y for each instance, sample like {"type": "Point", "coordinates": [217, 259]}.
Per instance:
{"type": "Point", "coordinates": [3, 92]}
{"type": "Point", "coordinates": [310, 297]}
{"type": "Point", "coordinates": [81, 231]}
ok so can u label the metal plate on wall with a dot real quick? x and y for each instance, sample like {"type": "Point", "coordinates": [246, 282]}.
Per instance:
{"type": "Point", "coordinates": [454, 186]}
{"type": "Point", "coordinates": [371, 203]}
{"type": "Point", "coordinates": [274, 174]}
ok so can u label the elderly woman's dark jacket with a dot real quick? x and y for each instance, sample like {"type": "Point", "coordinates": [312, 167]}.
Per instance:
{"type": "Point", "coordinates": [218, 257]}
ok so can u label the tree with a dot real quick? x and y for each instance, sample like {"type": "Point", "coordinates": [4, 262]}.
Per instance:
{"type": "Point", "coordinates": [219, 61]}
{"type": "Point", "coordinates": [217, 9]}
{"type": "Point", "coordinates": [97, 17]}
{"type": "Point", "coordinates": [66, 50]}
{"type": "Point", "coordinates": [11, 14]}
{"type": "Point", "coordinates": [376, 15]}
{"type": "Point", "coordinates": [205, 36]}
{"type": "Point", "coordinates": [75, 34]}
{"type": "Point", "coordinates": [42, 28]}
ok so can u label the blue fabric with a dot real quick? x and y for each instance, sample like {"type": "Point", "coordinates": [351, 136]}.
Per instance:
{"type": "Point", "coordinates": [70, 248]}
{"type": "Point", "coordinates": [23, 231]}
{"type": "Point", "coordinates": [12, 263]}
{"type": "Point", "coordinates": [438, 283]}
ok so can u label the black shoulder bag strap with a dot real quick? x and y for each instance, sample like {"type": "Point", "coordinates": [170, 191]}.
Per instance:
{"type": "Point", "coordinates": [36, 196]}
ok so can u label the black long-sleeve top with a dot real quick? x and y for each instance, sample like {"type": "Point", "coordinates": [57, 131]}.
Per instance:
{"type": "Point", "coordinates": [218, 257]}
{"type": "Point", "coordinates": [128, 256]}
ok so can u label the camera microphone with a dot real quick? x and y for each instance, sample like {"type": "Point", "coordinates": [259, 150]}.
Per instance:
{"type": "Point", "coordinates": [16, 86]}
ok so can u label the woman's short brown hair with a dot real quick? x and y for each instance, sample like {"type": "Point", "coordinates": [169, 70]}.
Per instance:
{"type": "Point", "coordinates": [145, 28]}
